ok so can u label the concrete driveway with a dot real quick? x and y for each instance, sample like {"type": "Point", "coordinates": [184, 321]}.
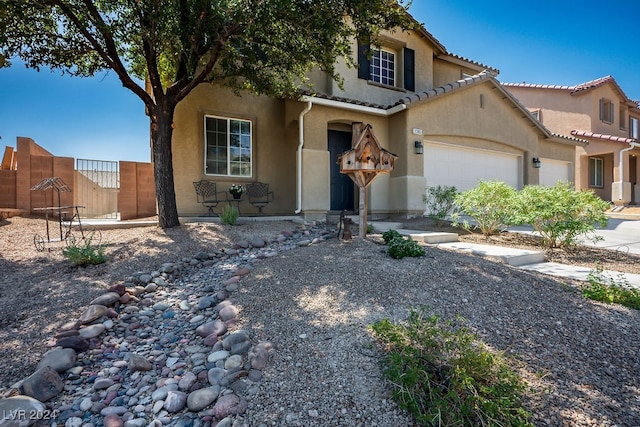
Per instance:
{"type": "Point", "coordinates": [620, 234]}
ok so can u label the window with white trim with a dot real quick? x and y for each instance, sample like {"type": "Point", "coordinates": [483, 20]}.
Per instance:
{"type": "Point", "coordinates": [382, 68]}
{"type": "Point", "coordinates": [228, 149]}
{"type": "Point", "coordinates": [634, 127]}
{"type": "Point", "coordinates": [596, 172]}
{"type": "Point", "coordinates": [606, 110]}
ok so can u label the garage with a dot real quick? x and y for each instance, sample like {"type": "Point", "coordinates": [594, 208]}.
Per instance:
{"type": "Point", "coordinates": [552, 171]}
{"type": "Point", "coordinates": [463, 167]}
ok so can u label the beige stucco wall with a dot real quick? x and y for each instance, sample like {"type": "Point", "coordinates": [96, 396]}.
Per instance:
{"type": "Point", "coordinates": [561, 112]}
{"type": "Point", "coordinates": [274, 147]}
{"type": "Point", "coordinates": [445, 72]}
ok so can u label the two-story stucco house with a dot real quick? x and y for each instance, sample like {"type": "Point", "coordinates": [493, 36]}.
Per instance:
{"type": "Point", "coordinates": [447, 118]}
{"type": "Point", "coordinates": [599, 112]}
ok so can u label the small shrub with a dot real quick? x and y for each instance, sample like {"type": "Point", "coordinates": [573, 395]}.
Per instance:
{"type": "Point", "coordinates": [490, 204]}
{"type": "Point", "coordinates": [559, 213]}
{"type": "Point", "coordinates": [444, 377]}
{"type": "Point", "coordinates": [390, 235]}
{"type": "Point", "coordinates": [370, 229]}
{"type": "Point", "coordinates": [229, 214]}
{"type": "Point", "coordinates": [81, 252]}
{"type": "Point", "coordinates": [439, 201]}
{"type": "Point", "coordinates": [399, 247]}
{"type": "Point", "coordinates": [611, 290]}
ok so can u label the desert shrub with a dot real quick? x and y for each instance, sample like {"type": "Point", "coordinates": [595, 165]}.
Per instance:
{"type": "Point", "coordinates": [611, 290]}
{"type": "Point", "coordinates": [439, 201]}
{"type": "Point", "coordinates": [490, 204]}
{"type": "Point", "coordinates": [560, 214]}
{"type": "Point", "coordinates": [229, 214]}
{"type": "Point", "coordinates": [443, 376]}
{"type": "Point", "coordinates": [390, 235]}
{"type": "Point", "coordinates": [399, 247]}
{"type": "Point", "coordinates": [83, 252]}
{"type": "Point", "coordinates": [370, 229]}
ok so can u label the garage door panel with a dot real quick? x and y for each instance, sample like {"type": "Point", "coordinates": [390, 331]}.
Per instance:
{"type": "Point", "coordinates": [552, 171]}
{"type": "Point", "coordinates": [463, 167]}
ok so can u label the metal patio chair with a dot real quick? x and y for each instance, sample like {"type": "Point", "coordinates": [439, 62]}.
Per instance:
{"type": "Point", "coordinates": [208, 196]}
{"type": "Point", "coordinates": [259, 195]}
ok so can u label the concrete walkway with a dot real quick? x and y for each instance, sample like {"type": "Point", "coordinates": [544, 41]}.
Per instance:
{"type": "Point", "coordinates": [526, 259]}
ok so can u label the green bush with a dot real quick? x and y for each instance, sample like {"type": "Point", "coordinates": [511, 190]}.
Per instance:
{"type": "Point", "coordinates": [229, 214]}
{"type": "Point", "coordinates": [444, 377]}
{"type": "Point", "coordinates": [490, 204]}
{"type": "Point", "coordinates": [390, 235]}
{"type": "Point", "coordinates": [439, 201]}
{"type": "Point", "coordinates": [370, 229]}
{"type": "Point", "coordinates": [611, 290]}
{"type": "Point", "coordinates": [559, 213]}
{"type": "Point", "coordinates": [399, 247]}
{"type": "Point", "coordinates": [81, 252]}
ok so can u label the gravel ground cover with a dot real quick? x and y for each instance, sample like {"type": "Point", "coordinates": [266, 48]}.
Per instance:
{"type": "Point", "coordinates": [314, 305]}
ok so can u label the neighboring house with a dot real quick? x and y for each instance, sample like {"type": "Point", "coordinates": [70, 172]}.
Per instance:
{"type": "Point", "coordinates": [447, 118]}
{"type": "Point", "coordinates": [599, 112]}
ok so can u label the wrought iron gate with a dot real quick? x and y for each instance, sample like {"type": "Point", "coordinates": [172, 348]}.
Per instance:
{"type": "Point", "coordinates": [97, 186]}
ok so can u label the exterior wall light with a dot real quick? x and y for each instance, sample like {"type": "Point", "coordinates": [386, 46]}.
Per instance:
{"type": "Point", "coordinates": [536, 163]}
{"type": "Point", "coordinates": [419, 147]}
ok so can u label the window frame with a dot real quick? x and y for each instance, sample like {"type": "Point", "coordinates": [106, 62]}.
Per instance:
{"type": "Point", "coordinates": [596, 163]}
{"type": "Point", "coordinates": [229, 147]}
{"type": "Point", "coordinates": [623, 117]}
{"type": "Point", "coordinates": [606, 111]}
{"type": "Point", "coordinates": [634, 130]}
{"type": "Point", "coordinates": [376, 53]}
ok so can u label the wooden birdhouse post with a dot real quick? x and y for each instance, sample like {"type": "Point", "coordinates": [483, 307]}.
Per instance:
{"type": "Point", "coordinates": [363, 163]}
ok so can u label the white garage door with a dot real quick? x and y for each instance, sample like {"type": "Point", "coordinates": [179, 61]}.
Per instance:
{"type": "Point", "coordinates": [552, 171]}
{"type": "Point", "coordinates": [463, 167]}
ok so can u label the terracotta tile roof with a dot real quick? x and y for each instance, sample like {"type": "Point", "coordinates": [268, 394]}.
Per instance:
{"type": "Point", "coordinates": [603, 137]}
{"type": "Point", "coordinates": [449, 87]}
{"type": "Point", "coordinates": [346, 100]}
{"type": "Point", "coordinates": [538, 86]}
{"type": "Point", "coordinates": [593, 84]}
{"type": "Point", "coordinates": [447, 55]}
{"type": "Point", "coordinates": [570, 138]}
{"type": "Point", "coordinates": [579, 88]}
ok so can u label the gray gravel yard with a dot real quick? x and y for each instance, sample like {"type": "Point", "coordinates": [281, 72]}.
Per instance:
{"type": "Point", "coordinates": [314, 305]}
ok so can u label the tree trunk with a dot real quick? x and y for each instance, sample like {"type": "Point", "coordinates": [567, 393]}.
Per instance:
{"type": "Point", "coordinates": [161, 132]}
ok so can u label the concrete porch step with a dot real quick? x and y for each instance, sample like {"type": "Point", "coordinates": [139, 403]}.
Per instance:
{"type": "Point", "coordinates": [382, 226]}
{"type": "Point", "coordinates": [511, 256]}
{"type": "Point", "coordinates": [430, 237]}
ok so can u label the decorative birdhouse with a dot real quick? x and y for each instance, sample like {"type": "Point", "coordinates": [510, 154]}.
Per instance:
{"type": "Point", "coordinates": [366, 160]}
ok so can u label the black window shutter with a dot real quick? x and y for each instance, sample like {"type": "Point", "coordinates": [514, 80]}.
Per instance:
{"type": "Point", "coordinates": [363, 60]}
{"type": "Point", "coordinates": [409, 69]}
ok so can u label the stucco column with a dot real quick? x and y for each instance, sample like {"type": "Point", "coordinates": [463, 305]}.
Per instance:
{"type": "Point", "coordinates": [621, 186]}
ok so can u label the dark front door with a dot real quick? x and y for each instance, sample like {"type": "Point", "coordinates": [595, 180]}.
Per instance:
{"type": "Point", "coordinates": [342, 194]}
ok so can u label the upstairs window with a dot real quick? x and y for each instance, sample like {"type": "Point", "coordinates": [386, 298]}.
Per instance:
{"type": "Point", "coordinates": [382, 67]}
{"type": "Point", "coordinates": [623, 117]}
{"type": "Point", "coordinates": [227, 147]}
{"type": "Point", "coordinates": [389, 66]}
{"type": "Point", "coordinates": [634, 124]}
{"type": "Point", "coordinates": [596, 172]}
{"type": "Point", "coordinates": [606, 110]}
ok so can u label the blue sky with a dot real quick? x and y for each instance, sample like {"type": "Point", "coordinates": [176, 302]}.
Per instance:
{"type": "Point", "coordinates": [549, 41]}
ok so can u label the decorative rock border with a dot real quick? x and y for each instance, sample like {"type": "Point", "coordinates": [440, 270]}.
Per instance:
{"type": "Point", "coordinates": [160, 348]}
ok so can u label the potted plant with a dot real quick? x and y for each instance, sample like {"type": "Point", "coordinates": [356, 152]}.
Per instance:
{"type": "Point", "coordinates": [236, 190]}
